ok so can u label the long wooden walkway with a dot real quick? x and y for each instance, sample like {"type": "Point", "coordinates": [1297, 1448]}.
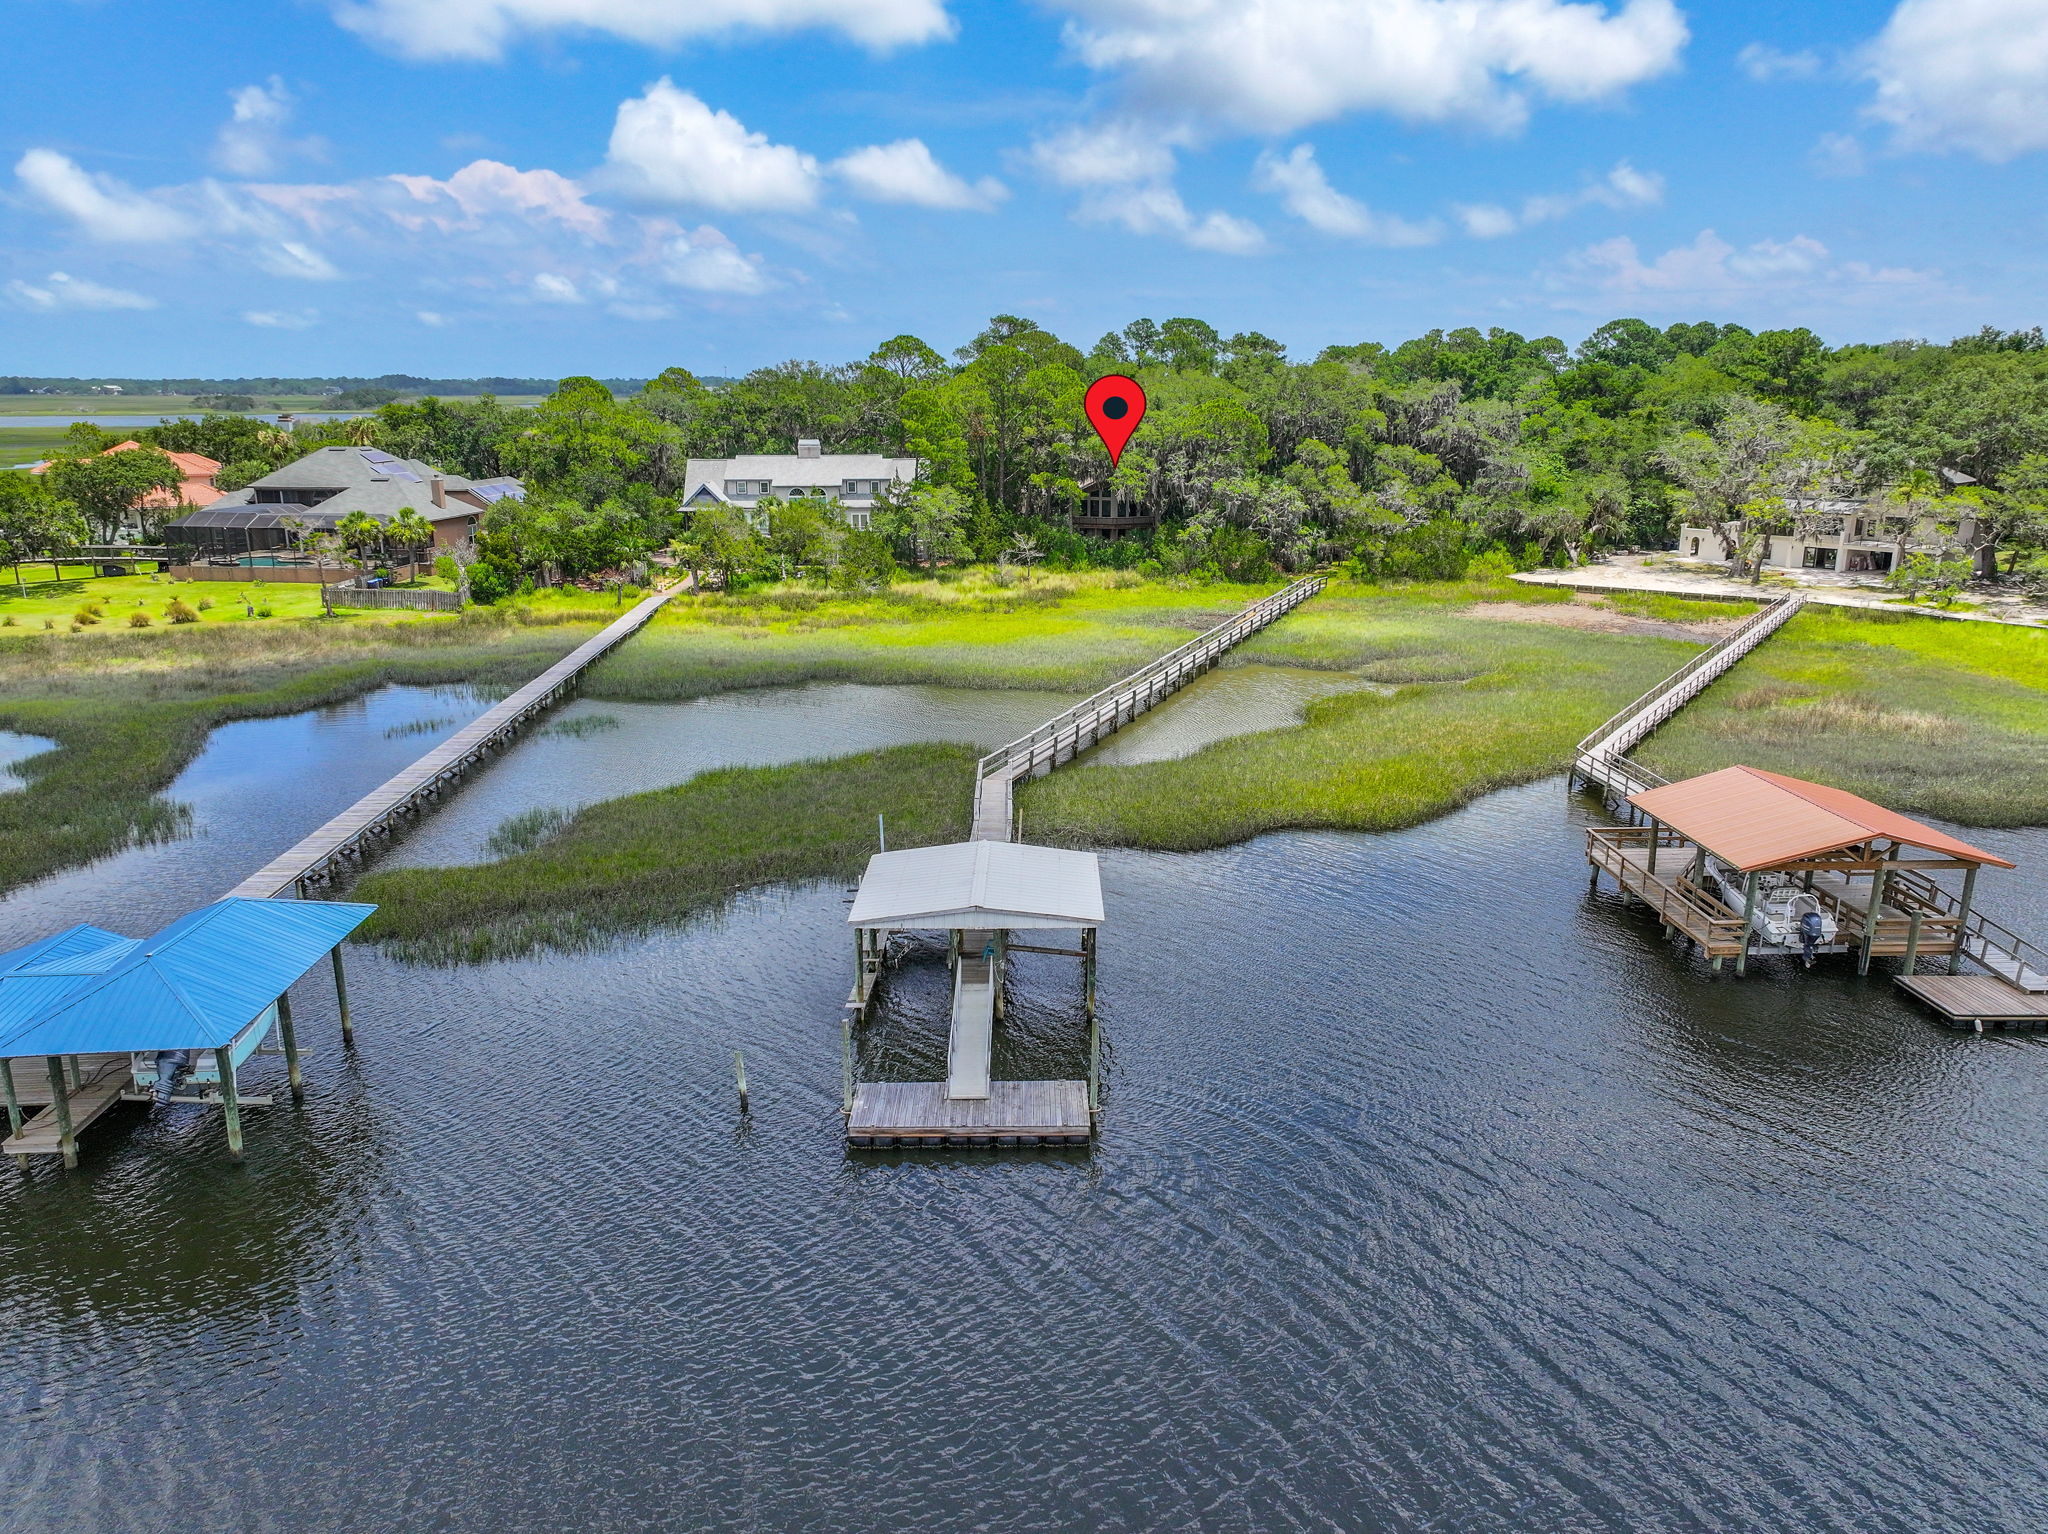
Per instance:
{"type": "Point", "coordinates": [348, 835]}
{"type": "Point", "coordinates": [1065, 736]}
{"type": "Point", "coordinates": [1602, 760]}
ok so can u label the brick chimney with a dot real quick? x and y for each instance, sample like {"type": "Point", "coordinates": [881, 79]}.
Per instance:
{"type": "Point", "coordinates": [437, 488]}
{"type": "Point", "coordinates": [807, 447]}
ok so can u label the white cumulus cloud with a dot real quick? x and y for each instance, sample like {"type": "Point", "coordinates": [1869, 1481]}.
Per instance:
{"type": "Point", "coordinates": [705, 261]}
{"type": "Point", "coordinates": [486, 187]}
{"type": "Point", "coordinates": [281, 319]}
{"type": "Point", "coordinates": [668, 147]}
{"type": "Point", "coordinates": [295, 258]}
{"type": "Point", "coordinates": [60, 290]}
{"type": "Point", "coordinates": [1298, 181]}
{"type": "Point", "coordinates": [1964, 74]}
{"type": "Point", "coordinates": [1622, 187]}
{"type": "Point", "coordinates": [906, 171]}
{"type": "Point", "coordinates": [1798, 272]}
{"type": "Point", "coordinates": [554, 288]}
{"type": "Point", "coordinates": [1125, 175]}
{"type": "Point", "coordinates": [1273, 66]}
{"type": "Point", "coordinates": [482, 29]}
{"type": "Point", "coordinates": [253, 141]}
{"type": "Point", "coordinates": [103, 208]}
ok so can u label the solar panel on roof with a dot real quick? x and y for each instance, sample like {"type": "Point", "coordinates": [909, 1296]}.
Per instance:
{"type": "Point", "coordinates": [395, 467]}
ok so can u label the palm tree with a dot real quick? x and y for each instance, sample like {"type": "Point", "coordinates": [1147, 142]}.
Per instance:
{"type": "Point", "coordinates": [360, 431]}
{"type": "Point", "coordinates": [358, 531]}
{"type": "Point", "coordinates": [411, 532]}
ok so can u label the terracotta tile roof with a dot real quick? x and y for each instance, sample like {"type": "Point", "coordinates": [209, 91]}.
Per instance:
{"type": "Point", "coordinates": [1756, 819]}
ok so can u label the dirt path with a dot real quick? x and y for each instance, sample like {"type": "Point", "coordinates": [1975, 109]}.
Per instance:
{"type": "Point", "coordinates": [1582, 612]}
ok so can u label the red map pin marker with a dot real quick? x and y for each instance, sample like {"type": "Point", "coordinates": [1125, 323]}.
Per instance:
{"type": "Point", "coordinates": [1115, 406]}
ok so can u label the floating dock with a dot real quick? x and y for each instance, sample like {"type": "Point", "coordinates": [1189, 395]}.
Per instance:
{"type": "Point", "coordinates": [1978, 1001]}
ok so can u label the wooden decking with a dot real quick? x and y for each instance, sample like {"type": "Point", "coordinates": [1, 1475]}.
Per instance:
{"type": "Point", "coordinates": [1602, 759]}
{"type": "Point", "coordinates": [1966, 1001]}
{"type": "Point", "coordinates": [970, 1044]}
{"type": "Point", "coordinates": [348, 834]}
{"type": "Point", "coordinates": [103, 1080]}
{"type": "Point", "coordinates": [902, 1114]}
{"type": "Point", "coordinates": [1067, 735]}
{"type": "Point", "coordinates": [1907, 923]}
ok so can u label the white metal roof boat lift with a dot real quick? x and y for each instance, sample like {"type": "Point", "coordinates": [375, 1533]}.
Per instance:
{"type": "Point", "coordinates": [981, 893]}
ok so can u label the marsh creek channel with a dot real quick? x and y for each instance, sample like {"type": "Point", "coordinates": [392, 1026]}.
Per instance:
{"type": "Point", "coordinates": [1431, 1194]}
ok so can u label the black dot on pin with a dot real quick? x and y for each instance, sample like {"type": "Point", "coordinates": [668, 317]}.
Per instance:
{"type": "Point", "coordinates": [1116, 407]}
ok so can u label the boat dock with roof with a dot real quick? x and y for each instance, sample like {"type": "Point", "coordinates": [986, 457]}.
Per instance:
{"type": "Point", "coordinates": [1745, 862]}
{"type": "Point", "coordinates": [981, 894]}
{"type": "Point", "coordinates": [89, 1018]}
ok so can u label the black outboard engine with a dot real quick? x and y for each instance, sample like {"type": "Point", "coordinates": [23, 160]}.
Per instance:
{"type": "Point", "coordinates": [1810, 932]}
{"type": "Point", "coordinates": [171, 1064]}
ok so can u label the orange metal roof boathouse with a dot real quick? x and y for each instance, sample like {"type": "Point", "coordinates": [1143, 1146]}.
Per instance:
{"type": "Point", "coordinates": [1744, 861]}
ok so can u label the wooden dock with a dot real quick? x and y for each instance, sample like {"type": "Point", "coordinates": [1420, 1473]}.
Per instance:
{"type": "Point", "coordinates": [1978, 1001]}
{"type": "Point", "coordinates": [102, 1081]}
{"type": "Point", "coordinates": [349, 836]}
{"type": "Point", "coordinates": [905, 1114]}
{"type": "Point", "coordinates": [1602, 760]}
{"type": "Point", "coordinates": [1067, 735]}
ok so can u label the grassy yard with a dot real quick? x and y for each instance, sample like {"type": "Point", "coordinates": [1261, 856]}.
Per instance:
{"type": "Point", "coordinates": [51, 606]}
{"type": "Point", "coordinates": [130, 707]}
{"type": "Point", "coordinates": [1925, 715]}
{"type": "Point", "coordinates": [636, 862]}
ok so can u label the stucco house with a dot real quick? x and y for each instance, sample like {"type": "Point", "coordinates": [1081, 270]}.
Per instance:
{"type": "Point", "coordinates": [317, 491]}
{"type": "Point", "coordinates": [195, 484]}
{"type": "Point", "coordinates": [856, 480]}
{"type": "Point", "coordinates": [1852, 534]}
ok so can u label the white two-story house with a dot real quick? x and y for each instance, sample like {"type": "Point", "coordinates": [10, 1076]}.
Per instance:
{"type": "Point", "coordinates": [1852, 534]}
{"type": "Point", "coordinates": [855, 480]}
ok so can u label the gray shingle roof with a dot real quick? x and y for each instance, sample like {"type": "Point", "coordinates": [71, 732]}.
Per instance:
{"type": "Point", "coordinates": [365, 479]}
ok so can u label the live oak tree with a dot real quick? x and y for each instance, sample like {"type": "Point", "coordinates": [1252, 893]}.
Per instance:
{"type": "Point", "coordinates": [108, 488]}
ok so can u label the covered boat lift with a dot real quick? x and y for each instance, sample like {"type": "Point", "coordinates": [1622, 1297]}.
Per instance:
{"type": "Point", "coordinates": [89, 1018]}
{"type": "Point", "coordinates": [981, 893]}
{"type": "Point", "coordinates": [1744, 861]}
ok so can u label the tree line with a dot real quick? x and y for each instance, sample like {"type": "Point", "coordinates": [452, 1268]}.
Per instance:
{"type": "Point", "coordinates": [1405, 461]}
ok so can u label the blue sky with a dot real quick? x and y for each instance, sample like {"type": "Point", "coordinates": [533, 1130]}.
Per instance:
{"type": "Point", "coordinates": [463, 187]}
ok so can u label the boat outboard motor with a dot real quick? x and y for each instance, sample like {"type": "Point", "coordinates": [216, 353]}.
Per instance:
{"type": "Point", "coordinates": [170, 1065]}
{"type": "Point", "coordinates": [1811, 930]}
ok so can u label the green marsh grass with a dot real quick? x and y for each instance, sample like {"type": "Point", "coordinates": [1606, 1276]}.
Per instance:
{"type": "Point", "coordinates": [129, 708]}
{"type": "Point", "coordinates": [1477, 704]}
{"type": "Point", "coordinates": [1665, 608]}
{"type": "Point", "coordinates": [1925, 715]}
{"type": "Point", "coordinates": [635, 863]}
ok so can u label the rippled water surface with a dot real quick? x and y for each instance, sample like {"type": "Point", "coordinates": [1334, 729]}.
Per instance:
{"type": "Point", "coordinates": [1432, 1194]}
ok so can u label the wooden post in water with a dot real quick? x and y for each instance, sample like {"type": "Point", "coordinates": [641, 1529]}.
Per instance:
{"type": "Point", "coordinates": [348, 1029]}
{"type": "Point", "coordinates": [1654, 829]}
{"type": "Point", "coordinates": [1088, 971]}
{"type": "Point", "coordinates": [1872, 911]}
{"type": "Point", "coordinates": [739, 1067]}
{"type": "Point", "coordinates": [290, 1039]}
{"type": "Point", "coordinates": [846, 1065]}
{"type": "Point", "coordinates": [1955, 958]}
{"type": "Point", "coordinates": [1748, 911]}
{"type": "Point", "coordinates": [1912, 943]}
{"type": "Point", "coordinates": [225, 1059]}
{"type": "Point", "coordinates": [60, 1101]}
{"type": "Point", "coordinates": [13, 1098]}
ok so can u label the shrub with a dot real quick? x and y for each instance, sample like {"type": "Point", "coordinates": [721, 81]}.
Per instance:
{"type": "Point", "coordinates": [85, 617]}
{"type": "Point", "coordinates": [206, 604]}
{"type": "Point", "coordinates": [263, 611]}
{"type": "Point", "coordinates": [140, 619]}
{"type": "Point", "coordinates": [181, 611]}
{"type": "Point", "coordinates": [7, 622]}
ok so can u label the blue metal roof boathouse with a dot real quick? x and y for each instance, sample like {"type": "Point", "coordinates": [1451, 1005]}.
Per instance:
{"type": "Point", "coordinates": [168, 1018]}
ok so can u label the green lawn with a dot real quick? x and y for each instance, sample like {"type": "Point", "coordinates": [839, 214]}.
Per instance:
{"type": "Point", "coordinates": [52, 606]}
{"type": "Point", "coordinates": [1921, 714]}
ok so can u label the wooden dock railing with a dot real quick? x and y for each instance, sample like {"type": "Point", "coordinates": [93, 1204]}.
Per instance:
{"type": "Point", "coordinates": [1065, 736]}
{"type": "Point", "coordinates": [1602, 758]}
{"type": "Point", "coordinates": [347, 836]}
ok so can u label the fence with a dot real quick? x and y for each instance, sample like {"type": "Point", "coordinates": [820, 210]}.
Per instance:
{"type": "Point", "coordinates": [348, 594]}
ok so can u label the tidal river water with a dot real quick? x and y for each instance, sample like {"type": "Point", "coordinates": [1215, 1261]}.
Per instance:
{"type": "Point", "coordinates": [1432, 1193]}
